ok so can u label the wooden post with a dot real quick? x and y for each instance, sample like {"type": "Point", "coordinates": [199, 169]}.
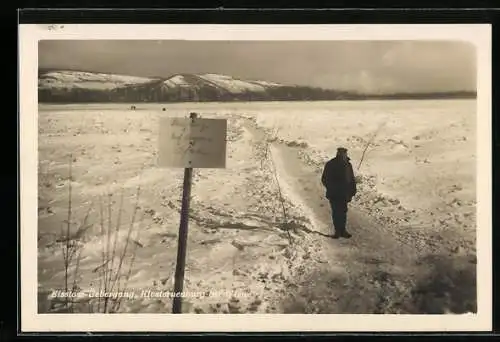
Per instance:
{"type": "Point", "coordinates": [182, 241]}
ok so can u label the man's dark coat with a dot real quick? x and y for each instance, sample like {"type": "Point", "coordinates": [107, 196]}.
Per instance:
{"type": "Point", "coordinates": [338, 179]}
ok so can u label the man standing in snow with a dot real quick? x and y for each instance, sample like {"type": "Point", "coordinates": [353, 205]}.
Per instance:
{"type": "Point", "coordinates": [338, 179]}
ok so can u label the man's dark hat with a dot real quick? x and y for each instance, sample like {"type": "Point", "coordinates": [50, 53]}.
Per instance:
{"type": "Point", "coordinates": [342, 149]}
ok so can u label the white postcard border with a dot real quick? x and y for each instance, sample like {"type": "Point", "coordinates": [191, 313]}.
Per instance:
{"type": "Point", "coordinates": [31, 321]}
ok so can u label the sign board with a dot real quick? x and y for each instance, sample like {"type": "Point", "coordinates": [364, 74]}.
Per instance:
{"type": "Point", "coordinates": [192, 143]}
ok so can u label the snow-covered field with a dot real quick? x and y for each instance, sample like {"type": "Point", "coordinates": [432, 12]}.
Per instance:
{"type": "Point", "coordinates": [416, 198]}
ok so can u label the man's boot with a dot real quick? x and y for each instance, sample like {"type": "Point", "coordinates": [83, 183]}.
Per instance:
{"type": "Point", "coordinates": [336, 235]}
{"type": "Point", "coordinates": [346, 235]}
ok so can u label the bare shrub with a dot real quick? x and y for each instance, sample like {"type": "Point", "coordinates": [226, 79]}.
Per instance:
{"type": "Point", "coordinates": [116, 263]}
{"type": "Point", "coordinates": [114, 277]}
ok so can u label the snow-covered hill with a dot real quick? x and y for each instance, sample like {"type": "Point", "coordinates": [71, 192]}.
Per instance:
{"type": "Point", "coordinates": [82, 86]}
{"type": "Point", "coordinates": [92, 81]}
{"type": "Point", "coordinates": [65, 86]}
{"type": "Point", "coordinates": [220, 82]}
{"type": "Point", "coordinates": [237, 86]}
{"type": "Point", "coordinates": [86, 80]}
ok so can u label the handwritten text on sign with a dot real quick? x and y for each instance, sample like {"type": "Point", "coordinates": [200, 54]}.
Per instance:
{"type": "Point", "coordinates": [195, 143]}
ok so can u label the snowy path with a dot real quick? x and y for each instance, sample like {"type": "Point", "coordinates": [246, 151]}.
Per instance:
{"type": "Point", "coordinates": [373, 272]}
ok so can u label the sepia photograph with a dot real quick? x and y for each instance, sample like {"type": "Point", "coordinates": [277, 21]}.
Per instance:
{"type": "Point", "coordinates": [260, 176]}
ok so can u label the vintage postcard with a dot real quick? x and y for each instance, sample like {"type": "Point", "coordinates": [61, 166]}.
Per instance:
{"type": "Point", "coordinates": [255, 177]}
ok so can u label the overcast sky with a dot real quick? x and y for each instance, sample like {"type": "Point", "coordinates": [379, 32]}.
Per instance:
{"type": "Point", "coordinates": [366, 66]}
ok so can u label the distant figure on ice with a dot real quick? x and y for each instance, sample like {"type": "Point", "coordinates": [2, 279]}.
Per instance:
{"type": "Point", "coordinates": [338, 179]}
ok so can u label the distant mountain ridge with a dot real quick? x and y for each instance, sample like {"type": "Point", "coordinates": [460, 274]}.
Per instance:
{"type": "Point", "coordinates": [72, 86]}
